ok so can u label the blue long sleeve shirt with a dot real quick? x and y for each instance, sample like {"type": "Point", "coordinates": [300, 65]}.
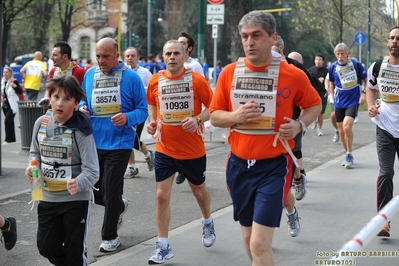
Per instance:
{"type": "Point", "coordinates": [134, 104]}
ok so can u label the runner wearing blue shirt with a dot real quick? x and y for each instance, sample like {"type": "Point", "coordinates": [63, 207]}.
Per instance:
{"type": "Point", "coordinates": [346, 75]}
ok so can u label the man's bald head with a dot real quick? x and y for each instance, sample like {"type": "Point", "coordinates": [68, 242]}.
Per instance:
{"type": "Point", "coordinates": [107, 54]}
{"type": "Point", "coordinates": [38, 55]}
{"type": "Point", "coordinates": [296, 56]}
{"type": "Point", "coordinates": [107, 42]}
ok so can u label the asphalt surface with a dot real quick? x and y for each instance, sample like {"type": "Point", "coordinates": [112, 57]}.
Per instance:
{"type": "Point", "coordinates": [338, 204]}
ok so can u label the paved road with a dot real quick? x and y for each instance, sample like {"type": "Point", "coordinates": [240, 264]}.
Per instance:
{"type": "Point", "coordinates": [139, 223]}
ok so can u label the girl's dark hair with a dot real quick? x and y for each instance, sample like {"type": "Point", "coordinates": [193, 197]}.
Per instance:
{"type": "Point", "coordinates": [69, 84]}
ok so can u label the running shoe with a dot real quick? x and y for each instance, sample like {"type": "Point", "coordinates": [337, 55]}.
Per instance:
{"type": "Point", "coordinates": [319, 133]}
{"type": "Point", "coordinates": [349, 161]}
{"type": "Point", "coordinates": [294, 226]}
{"type": "Point", "coordinates": [160, 254]}
{"type": "Point", "coordinates": [314, 125]}
{"type": "Point", "coordinates": [180, 178]}
{"type": "Point", "coordinates": [9, 235]}
{"type": "Point", "coordinates": [131, 172]}
{"type": "Point", "coordinates": [110, 245]}
{"type": "Point", "coordinates": [208, 234]}
{"type": "Point", "coordinates": [120, 220]}
{"type": "Point", "coordinates": [336, 136]}
{"type": "Point", "coordinates": [385, 231]}
{"type": "Point", "coordinates": [300, 187]}
{"type": "Point", "coordinates": [150, 161]}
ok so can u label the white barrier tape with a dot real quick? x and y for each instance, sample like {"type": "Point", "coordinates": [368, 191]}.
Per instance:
{"type": "Point", "coordinates": [364, 237]}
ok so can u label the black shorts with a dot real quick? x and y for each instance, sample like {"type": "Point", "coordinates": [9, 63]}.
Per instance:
{"type": "Point", "coordinates": [340, 113]}
{"type": "Point", "coordinates": [166, 166]}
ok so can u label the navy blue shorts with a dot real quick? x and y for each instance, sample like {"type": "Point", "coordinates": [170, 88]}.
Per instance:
{"type": "Point", "coordinates": [259, 188]}
{"type": "Point", "coordinates": [166, 166]}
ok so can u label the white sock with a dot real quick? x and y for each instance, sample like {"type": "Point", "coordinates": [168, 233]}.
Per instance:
{"type": "Point", "coordinates": [292, 213]}
{"type": "Point", "coordinates": [207, 221]}
{"type": "Point", "coordinates": [148, 154]}
{"type": "Point", "coordinates": [133, 165]}
{"type": "Point", "coordinates": [164, 241]}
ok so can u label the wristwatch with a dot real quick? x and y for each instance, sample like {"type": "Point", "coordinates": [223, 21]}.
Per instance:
{"type": "Point", "coordinates": [303, 126]}
{"type": "Point", "coordinates": [199, 120]}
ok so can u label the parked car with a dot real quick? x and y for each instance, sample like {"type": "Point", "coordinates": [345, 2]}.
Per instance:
{"type": "Point", "coordinates": [18, 63]}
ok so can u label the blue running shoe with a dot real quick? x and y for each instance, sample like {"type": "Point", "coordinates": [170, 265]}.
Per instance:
{"type": "Point", "coordinates": [349, 161]}
{"type": "Point", "coordinates": [208, 234]}
{"type": "Point", "coordinates": [160, 254]}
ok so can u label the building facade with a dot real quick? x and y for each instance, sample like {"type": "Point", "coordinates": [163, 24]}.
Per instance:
{"type": "Point", "coordinates": [99, 19]}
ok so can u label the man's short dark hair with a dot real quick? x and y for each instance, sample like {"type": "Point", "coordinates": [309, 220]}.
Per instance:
{"type": "Point", "coordinates": [190, 40]}
{"type": "Point", "coordinates": [319, 55]}
{"type": "Point", "coordinates": [64, 48]}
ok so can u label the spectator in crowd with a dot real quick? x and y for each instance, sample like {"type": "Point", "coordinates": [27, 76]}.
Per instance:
{"type": "Point", "coordinates": [10, 89]}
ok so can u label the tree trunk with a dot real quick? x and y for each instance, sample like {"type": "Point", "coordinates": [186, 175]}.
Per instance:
{"type": "Point", "coordinates": [44, 11]}
{"type": "Point", "coordinates": [66, 22]}
{"type": "Point", "coordinates": [4, 41]}
{"type": "Point", "coordinates": [8, 16]}
{"type": "Point", "coordinates": [236, 10]}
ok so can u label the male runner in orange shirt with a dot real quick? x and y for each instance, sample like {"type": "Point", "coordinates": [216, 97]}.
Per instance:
{"type": "Point", "coordinates": [254, 97]}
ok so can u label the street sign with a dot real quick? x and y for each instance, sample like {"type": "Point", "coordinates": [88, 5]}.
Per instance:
{"type": "Point", "coordinates": [360, 38]}
{"type": "Point", "coordinates": [215, 2]}
{"type": "Point", "coordinates": [215, 31]}
{"type": "Point", "coordinates": [214, 19]}
{"type": "Point", "coordinates": [215, 9]}
{"type": "Point", "coordinates": [215, 14]}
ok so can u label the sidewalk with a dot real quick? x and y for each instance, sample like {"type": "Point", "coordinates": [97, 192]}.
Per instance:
{"type": "Point", "coordinates": [338, 204]}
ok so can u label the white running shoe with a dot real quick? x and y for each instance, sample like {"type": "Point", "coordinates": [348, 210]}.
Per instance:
{"type": "Point", "coordinates": [208, 234]}
{"type": "Point", "coordinates": [294, 226]}
{"type": "Point", "coordinates": [160, 254]}
{"type": "Point", "coordinates": [110, 245]}
{"type": "Point", "coordinates": [120, 220]}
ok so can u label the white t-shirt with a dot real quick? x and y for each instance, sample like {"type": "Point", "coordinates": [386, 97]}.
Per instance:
{"type": "Point", "coordinates": [144, 74]}
{"type": "Point", "coordinates": [194, 65]}
{"type": "Point", "coordinates": [388, 117]}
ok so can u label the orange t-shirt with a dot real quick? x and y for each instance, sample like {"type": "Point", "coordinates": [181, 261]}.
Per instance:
{"type": "Point", "coordinates": [293, 87]}
{"type": "Point", "coordinates": [176, 142]}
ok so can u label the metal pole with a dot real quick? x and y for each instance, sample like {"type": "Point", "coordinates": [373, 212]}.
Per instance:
{"type": "Point", "coordinates": [360, 53]}
{"type": "Point", "coordinates": [369, 37]}
{"type": "Point", "coordinates": [149, 27]}
{"type": "Point", "coordinates": [215, 51]}
{"type": "Point", "coordinates": [201, 14]}
{"type": "Point", "coordinates": [119, 28]}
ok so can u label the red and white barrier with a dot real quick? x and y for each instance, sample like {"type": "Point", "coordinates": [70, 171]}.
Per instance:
{"type": "Point", "coordinates": [364, 237]}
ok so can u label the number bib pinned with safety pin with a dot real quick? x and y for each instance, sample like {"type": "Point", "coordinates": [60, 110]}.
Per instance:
{"type": "Point", "coordinates": [56, 157]}
{"type": "Point", "coordinates": [106, 93]}
{"type": "Point", "coordinates": [260, 86]}
{"type": "Point", "coordinates": [388, 83]}
{"type": "Point", "coordinates": [176, 98]}
{"type": "Point", "coordinates": [347, 75]}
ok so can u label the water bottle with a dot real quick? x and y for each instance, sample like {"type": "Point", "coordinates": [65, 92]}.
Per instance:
{"type": "Point", "coordinates": [37, 191]}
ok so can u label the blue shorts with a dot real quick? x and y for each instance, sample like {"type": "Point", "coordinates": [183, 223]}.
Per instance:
{"type": "Point", "coordinates": [166, 166]}
{"type": "Point", "coordinates": [259, 189]}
